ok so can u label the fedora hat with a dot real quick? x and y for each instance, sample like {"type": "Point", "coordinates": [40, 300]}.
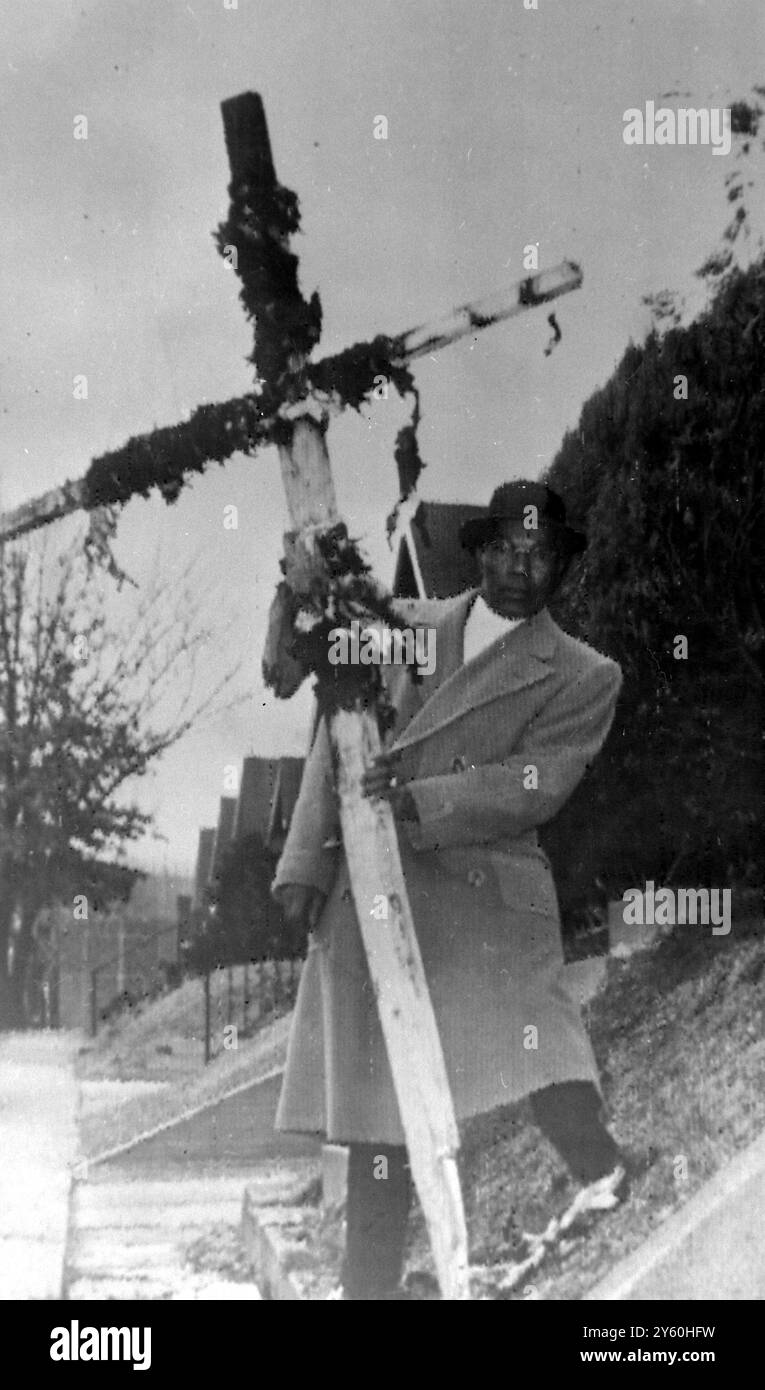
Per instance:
{"type": "Point", "coordinates": [509, 503]}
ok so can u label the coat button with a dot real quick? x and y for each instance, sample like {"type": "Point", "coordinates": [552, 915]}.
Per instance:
{"type": "Point", "coordinates": [476, 878]}
{"type": "Point", "coordinates": [459, 764]}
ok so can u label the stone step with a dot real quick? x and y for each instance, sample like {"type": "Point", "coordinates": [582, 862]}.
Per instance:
{"type": "Point", "coordinates": [129, 1236]}
{"type": "Point", "coordinates": [162, 1193]}
{"type": "Point", "coordinates": [139, 1223]}
{"type": "Point", "coordinates": [174, 1286]}
{"type": "Point", "coordinates": [284, 1253]}
{"type": "Point", "coordinates": [128, 1267]}
{"type": "Point", "coordinates": [101, 1254]}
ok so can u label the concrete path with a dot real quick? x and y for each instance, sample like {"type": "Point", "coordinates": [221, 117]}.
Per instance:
{"type": "Point", "coordinates": [133, 1238]}
{"type": "Point", "coordinates": [232, 1129]}
{"type": "Point", "coordinates": [712, 1248]}
{"type": "Point", "coordinates": [38, 1106]}
{"type": "Point", "coordinates": [162, 1219]}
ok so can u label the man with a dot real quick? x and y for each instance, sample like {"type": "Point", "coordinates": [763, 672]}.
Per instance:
{"type": "Point", "coordinates": [483, 751]}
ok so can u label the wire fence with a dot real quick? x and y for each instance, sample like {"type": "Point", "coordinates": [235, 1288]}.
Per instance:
{"type": "Point", "coordinates": [236, 999]}
{"type": "Point", "coordinates": [240, 999]}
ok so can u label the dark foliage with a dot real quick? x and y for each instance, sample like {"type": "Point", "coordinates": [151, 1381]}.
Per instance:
{"type": "Point", "coordinates": [671, 491]}
{"type": "Point", "coordinates": [165, 458]}
{"type": "Point", "coordinates": [343, 592]}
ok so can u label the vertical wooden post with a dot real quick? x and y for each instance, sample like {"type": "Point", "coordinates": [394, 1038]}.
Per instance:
{"type": "Point", "coordinates": [206, 986]}
{"type": "Point", "coordinates": [285, 326]}
{"type": "Point", "coordinates": [393, 954]}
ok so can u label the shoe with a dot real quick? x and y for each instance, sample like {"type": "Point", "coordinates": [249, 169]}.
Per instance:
{"type": "Point", "coordinates": [601, 1195]}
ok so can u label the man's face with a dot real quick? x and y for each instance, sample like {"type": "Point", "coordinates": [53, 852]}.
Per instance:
{"type": "Point", "coordinates": [520, 569]}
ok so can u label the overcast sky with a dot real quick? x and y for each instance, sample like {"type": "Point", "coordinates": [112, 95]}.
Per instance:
{"type": "Point", "coordinates": [504, 128]}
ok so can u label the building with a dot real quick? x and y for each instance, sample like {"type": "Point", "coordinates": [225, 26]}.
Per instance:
{"type": "Point", "coordinates": [431, 562]}
{"type": "Point", "coordinates": [224, 836]}
{"type": "Point", "coordinates": [268, 791]}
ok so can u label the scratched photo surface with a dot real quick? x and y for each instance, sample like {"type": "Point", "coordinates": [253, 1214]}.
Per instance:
{"type": "Point", "coordinates": [382, 647]}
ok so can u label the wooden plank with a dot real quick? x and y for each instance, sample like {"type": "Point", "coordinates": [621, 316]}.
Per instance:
{"type": "Point", "coordinates": [403, 1001]}
{"type": "Point", "coordinates": [538, 289]}
{"type": "Point", "coordinates": [393, 954]}
{"type": "Point", "coordinates": [307, 476]}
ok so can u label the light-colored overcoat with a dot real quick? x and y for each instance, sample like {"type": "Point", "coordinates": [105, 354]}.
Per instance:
{"type": "Point", "coordinates": [493, 747]}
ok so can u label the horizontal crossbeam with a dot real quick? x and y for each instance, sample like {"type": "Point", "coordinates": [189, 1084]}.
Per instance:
{"type": "Point", "coordinates": [164, 458]}
{"type": "Point", "coordinates": [504, 304]}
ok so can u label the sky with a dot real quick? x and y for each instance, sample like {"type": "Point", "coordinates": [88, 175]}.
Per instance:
{"type": "Point", "coordinates": [504, 128]}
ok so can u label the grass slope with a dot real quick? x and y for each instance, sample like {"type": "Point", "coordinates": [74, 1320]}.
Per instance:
{"type": "Point", "coordinates": [679, 1037]}
{"type": "Point", "coordinates": [163, 1041]}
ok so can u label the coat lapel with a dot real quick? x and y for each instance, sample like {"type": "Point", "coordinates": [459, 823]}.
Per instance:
{"type": "Point", "coordinates": [510, 663]}
{"type": "Point", "coordinates": [409, 695]}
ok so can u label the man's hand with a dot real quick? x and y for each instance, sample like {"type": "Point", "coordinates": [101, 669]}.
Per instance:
{"type": "Point", "coordinates": [302, 905]}
{"type": "Point", "coordinates": [380, 781]}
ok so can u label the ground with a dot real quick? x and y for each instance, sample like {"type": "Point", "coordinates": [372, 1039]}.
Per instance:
{"type": "Point", "coordinates": [679, 1036]}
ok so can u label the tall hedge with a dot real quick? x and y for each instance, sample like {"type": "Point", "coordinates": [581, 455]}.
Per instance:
{"type": "Point", "coordinates": [665, 469]}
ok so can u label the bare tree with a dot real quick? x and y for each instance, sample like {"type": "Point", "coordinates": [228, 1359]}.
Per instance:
{"type": "Point", "coordinates": [89, 697]}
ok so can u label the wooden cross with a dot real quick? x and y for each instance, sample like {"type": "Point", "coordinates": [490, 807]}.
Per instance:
{"type": "Point", "coordinates": [292, 409]}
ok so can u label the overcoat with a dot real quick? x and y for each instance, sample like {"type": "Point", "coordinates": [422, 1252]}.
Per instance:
{"type": "Point", "coordinates": [493, 749]}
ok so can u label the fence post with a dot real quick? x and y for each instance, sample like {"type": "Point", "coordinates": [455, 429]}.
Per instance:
{"type": "Point", "coordinates": [244, 998]}
{"type": "Point", "coordinates": [207, 1015]}
{"type": "Point", "coordinates": [230, 1001]}
{"type": "Point", "coordinates": [94, 1002]}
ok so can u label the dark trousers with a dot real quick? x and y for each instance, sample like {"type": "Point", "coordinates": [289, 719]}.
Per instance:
{"type": "Point", "coordinates": [380, 1185]}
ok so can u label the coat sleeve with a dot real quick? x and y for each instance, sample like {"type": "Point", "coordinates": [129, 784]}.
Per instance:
{"type": "Point", "coordinates": [315, 820]}
{"type": "Point", "coordinates": [491, 801]}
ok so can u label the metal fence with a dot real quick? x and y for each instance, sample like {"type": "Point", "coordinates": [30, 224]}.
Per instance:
{"type": "Point", "coordinates": [239, 999]}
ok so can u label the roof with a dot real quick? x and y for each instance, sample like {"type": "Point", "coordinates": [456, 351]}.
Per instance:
{"type": "Point", "coordinates": [440, 561]}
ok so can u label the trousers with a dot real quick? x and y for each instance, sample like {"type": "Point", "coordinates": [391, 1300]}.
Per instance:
{"type": "Point", "coordinates": [380, 1185]}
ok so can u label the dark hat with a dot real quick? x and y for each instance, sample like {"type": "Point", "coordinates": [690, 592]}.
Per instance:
{"type": "Point", "coordinates": [508, 503]}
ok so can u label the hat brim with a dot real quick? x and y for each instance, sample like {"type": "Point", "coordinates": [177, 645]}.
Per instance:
{"type": "Point", "coordinates": [482, 529]}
